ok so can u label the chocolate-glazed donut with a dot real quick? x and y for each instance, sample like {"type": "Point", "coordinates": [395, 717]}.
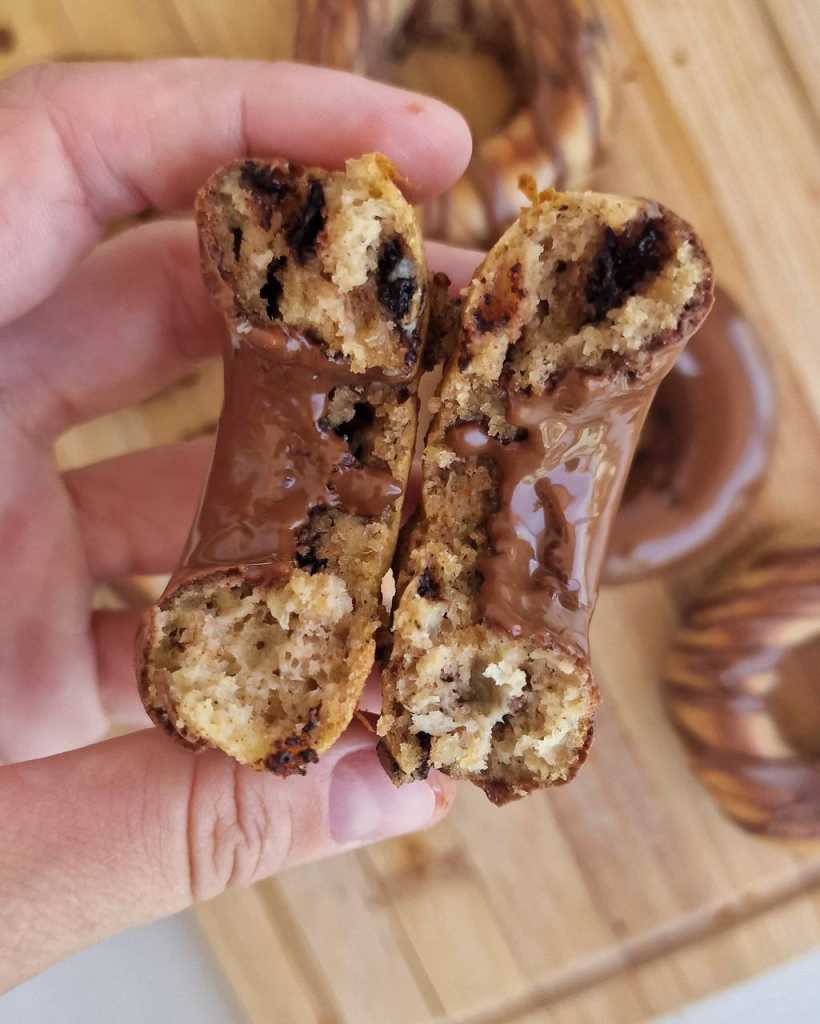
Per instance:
{"type": "Point", "coordinates": [748, 638]}
{"type": "Point", "coordinates": [543, 108]}
{"type": "Point", "coordinates": [703, 451]}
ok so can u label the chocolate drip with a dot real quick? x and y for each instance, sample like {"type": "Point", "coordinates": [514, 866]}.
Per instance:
{"type": "Point", "coordinates": [276, 458]}
{"type": "Point", "coordinates": [558, 487]}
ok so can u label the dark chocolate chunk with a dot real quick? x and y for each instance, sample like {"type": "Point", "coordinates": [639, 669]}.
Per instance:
{"type": "Point", "coordinates": [622, 264]}
{"type": "Point", "coordinates": [306, 558]}
{"type": "Point", "coordinates": [427, 586]}
{"type": "Point", "coordinates": [355, 430]}
{"type": "Point", "coordinates": [237, 241]}
{"type": "Point", "coordinates": [271, 290]}
{"type": "Point", "coordinates": [308, 223]}
{"type": "Point", "coordinates": [425, 742]}
{"type": "Point", "coordinates": [267, 188]}
{"type": "Point", "coordinates": [395, 288]}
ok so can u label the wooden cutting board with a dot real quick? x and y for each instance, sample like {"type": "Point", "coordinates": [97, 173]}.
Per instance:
{"type": "Point", "coordinates": [625, 894]}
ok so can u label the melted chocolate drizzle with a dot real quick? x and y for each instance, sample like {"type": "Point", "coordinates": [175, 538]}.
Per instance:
{"type": "Point", "coordinates": [558, 488]}
{"type": "Point", "coordinates": [276, 458]}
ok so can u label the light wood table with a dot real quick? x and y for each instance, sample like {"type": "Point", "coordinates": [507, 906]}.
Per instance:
{"type": "Point", "coordinates": [625, 894]}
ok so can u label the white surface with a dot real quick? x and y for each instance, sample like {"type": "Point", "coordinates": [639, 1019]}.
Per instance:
{"type": "Point", "coordinates": [163, 974]}
{"type": "Point", "coordinates": [790, 993]}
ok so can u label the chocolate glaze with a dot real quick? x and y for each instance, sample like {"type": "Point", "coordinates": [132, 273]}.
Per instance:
{"type": "Point", "coordinates": [558, 488]}
{"type": "Point", "coordinates": [276, 458]}
{"type": "Point", "coordinates": [703, 451]}
{"type": "Point", "coordinates": [738, 646]}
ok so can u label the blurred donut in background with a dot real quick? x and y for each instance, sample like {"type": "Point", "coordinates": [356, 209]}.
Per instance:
{"type": "Point", "coordinates": [703, 452]}
{"type": "Point", "coordinates": [533, 79]}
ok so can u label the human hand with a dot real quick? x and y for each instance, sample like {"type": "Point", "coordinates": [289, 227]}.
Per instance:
{"type": "Point", "coordinates": [127, 830]}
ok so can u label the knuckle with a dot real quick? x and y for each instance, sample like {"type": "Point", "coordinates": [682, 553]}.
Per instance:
{"type": "Point", "coordinates": [237, 833]}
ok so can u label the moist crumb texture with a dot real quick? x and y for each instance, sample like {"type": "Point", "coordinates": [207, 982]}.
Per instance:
{"type": "Point", "coordinates": [263, 640]}
{"type": "Point", "coordinates": [598, 286]}
{"type": "Point", "coordinates": [336, 255]}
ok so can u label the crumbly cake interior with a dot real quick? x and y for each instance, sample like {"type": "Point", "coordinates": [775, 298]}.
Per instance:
{"type": "Point", "coordinates": [335, 255]}
{"type": "Point", "coordinates": [578, 280]}
{"type": "Point", "coordinates": [271, 673]}
{"type": "Point", "coordinates": [270, 670]}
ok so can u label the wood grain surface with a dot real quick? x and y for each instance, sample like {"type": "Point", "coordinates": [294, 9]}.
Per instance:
{"type": "Point", "coordinates": [625, 894]}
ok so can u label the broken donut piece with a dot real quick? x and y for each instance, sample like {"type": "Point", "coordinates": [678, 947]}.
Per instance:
{"type": "Point", "coordinates": [264, 637]}
{"type": "Point", "coordinates": [566, 330]}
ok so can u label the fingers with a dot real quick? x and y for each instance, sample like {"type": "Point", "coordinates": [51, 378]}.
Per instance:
{"type": "Point", "coordinates": [86, 143]}
{"type": "Point", "coordinates": [118, 834]}
{"type": "Point", "coordinates": [458, 264]}
{"type": "Point", "coordinates": [132, 317]}
{"type": "Point", "coordinates": [114, 633]}
{"type": "Point", "coordinates": [134, 512]}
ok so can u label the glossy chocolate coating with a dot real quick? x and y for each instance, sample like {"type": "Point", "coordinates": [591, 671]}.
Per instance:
{"type": "Point", "coordinates": [743, 639]}
{"type": "Point", "coordinates": [276, 458]}
{"type": "Point", "coordinates": [703, 451]}
{"type": "Point", "coordinates": [558, 488]}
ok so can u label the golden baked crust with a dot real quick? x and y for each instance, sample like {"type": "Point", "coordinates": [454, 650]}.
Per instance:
{"type": "Point", "coordinates": [582, 305]}
{"type": "Point", "coordinates": [263, 640]}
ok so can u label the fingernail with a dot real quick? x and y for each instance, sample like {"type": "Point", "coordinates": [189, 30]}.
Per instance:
{"type": "Point", "coordinates": [365, 805]}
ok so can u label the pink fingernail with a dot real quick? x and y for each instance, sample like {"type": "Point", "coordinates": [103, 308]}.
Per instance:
{"type": "Point", "coordinates": [365, 805]}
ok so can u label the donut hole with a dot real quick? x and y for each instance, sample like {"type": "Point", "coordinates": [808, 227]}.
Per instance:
{"type": "Point", "coordinates": [472, 63]}
{"type": "Point", "coordinates": [794, 703]}
{"type": "Point", "coordinates": [473, 83]}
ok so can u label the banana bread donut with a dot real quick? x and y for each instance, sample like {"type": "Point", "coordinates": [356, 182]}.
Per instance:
{"type": "Point", "coordinates": [741, 686]}
{"type": "Point", "coordinates": [263, 639]}
{"type": "Point", "coordinates": [703, 451]}
{"type": "Point", "coordinates": [566, 331]}
{"type": "Point", "coordinates": [533, 79]}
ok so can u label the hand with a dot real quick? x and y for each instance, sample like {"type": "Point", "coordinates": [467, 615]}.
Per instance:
{"type": "Point", "coordinates": [125, 831]}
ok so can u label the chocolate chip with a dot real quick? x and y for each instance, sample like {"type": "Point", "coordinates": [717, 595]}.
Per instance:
{"type": "Point", "coordinates": [427, 586]}
{"type": "Point", "coordinates": [396, 281]}
{"type": "Point", "coordinates": [260, 178]}
{"type": "Point", "coordinates": [260, 645]}
{"type": "Point", "coordinates": [309, 756]}
{"type": "Point", "coordinates": [237, 241]}
{"type": "Point", "coordinates": [490, 314]}
{"type": "Point", "coordinates": [622, 264]}
{"type": "Point", "coordinates": [308, 223]}
{"type": "Point", "coordinates": [425, 741]}
{"type": "Point", "coordinates": [355, 430]}
{"type": "Point", "coordinates": [279, 762]}
{"type": "Point", "coordinates": [271, 290]}
{"type": "Point", "coordinates": [313, 720]}
{"type": "Point", "coordinates": [267, 187]}
{"type": "Point", "coordinates": [306, 558]}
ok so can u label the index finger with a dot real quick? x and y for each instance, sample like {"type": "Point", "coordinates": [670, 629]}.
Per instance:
{"type": "Point", "coordinates": [84, 144]}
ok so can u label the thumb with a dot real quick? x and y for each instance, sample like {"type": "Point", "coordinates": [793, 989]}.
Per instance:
{"type": "Point", "coordinates": [118, 834]}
